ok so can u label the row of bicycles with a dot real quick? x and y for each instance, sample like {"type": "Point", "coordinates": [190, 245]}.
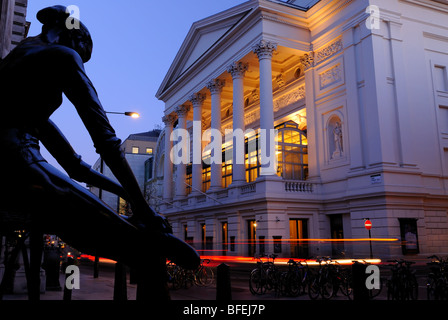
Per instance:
{"type": "Point", "coordinates": [437, 280]}
{"type": "Point", "coordinates": [403, 284]}
{"type": "Point", "coordinates": [329, 278]}
{"type": "Point", "coordinates": [179, 277]}
{"type": "Point", "coordinates": [324, 281]}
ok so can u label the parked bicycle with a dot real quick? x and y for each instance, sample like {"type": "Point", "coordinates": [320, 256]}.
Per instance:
{"type": "Point", "coordinates": [329, 279]}
{"type": "Point", "coordinates": [437, 280]}
{"type": "Point", "coordinates": [181, 278]}
{"type": "Point", "coordinates": [204, 275]}
{"type": "Point", "coordinates": [342, 279]}
{"type": "Point", "coordinates": [321, 283]}
{"type": "Point", "coordinates": [402, 285]}
{"type": "Point", "coordinates": [294, 281]}
{"type": "Point", "coordinates": [266, 276]}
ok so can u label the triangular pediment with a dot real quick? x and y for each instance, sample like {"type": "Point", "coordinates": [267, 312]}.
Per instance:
{"type": "Point", "coordinates": [201, 38]}
{"type": "Point", "coordinates": [205, 39]}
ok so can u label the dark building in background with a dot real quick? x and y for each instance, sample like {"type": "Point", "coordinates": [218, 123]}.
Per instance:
{"type": "Point", "coordinates": [13, 25]}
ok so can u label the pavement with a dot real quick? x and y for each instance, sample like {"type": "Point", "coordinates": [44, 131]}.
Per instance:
{"type": "Point", "coordinates": [102, 288]}
{"type": "Point", "coordinates": [91, 301]}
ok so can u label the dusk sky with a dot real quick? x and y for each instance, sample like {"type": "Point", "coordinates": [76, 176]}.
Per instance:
{"type": "Point", "coordinates": [135, 43]}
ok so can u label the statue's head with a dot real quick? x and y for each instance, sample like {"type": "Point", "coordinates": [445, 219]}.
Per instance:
{"type": "Point", "coordinates": [73, 34]}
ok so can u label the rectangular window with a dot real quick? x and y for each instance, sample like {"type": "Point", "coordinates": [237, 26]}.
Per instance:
{"type": "Point", "coordinates": [189, 178]}
{"type": "Point", "coordinates": [188, 239]}
{"type": "Point", "coordinates": [135, 150]}
{"type": "Point", "coordinates": [440, 78]}
{"type": "Point", "coordinates": [206, 177]}
{"type": "Point", "coordinates": [409, 235]}
{"type": "Point", "coordinates": [148, 168]}
{"type": "Point", "coordinates": [149, 150]}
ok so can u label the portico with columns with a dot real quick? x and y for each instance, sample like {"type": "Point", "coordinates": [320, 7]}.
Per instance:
{"type": "Point", "coordinates": [270, 65]}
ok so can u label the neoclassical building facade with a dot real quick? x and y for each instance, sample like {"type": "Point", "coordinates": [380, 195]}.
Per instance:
{"type": "Point", "coordinates": [356, 92]}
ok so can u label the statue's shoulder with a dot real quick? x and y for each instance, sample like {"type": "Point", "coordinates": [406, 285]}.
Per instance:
{"type": "Point", "coordinates": [64, 53]}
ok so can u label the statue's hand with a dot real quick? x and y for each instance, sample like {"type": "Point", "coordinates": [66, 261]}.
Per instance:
{"type": "Point", "coordinates": [149, 220]}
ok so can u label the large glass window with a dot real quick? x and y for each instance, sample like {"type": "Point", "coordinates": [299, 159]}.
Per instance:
{"type": "Point", "coordinates": [292, 157]}
{"type": "Point", "coordinates": [292, 152]}
{"type": "Point", "coordinates": [252, 159]}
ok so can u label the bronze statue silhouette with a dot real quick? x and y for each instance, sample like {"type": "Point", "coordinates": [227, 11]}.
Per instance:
{"type": "Point", "coordinates": [33, 78]}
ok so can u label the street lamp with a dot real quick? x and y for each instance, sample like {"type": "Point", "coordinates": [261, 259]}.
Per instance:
{"type": "Point", "coordinates": [100, 190]}
{"type": "Point", "coordinates": [127, 113]}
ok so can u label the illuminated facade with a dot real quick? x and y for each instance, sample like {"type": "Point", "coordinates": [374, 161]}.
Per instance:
{"type": "Point", "coordinates": [359, 98]}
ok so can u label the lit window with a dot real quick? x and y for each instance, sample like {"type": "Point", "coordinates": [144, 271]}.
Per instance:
{"type": "Point", "coordinates": [135, 150]}
{"type": "Point", "coordinates": [292, 152]}
{"type": "Point", "coordinates": [149, 150]}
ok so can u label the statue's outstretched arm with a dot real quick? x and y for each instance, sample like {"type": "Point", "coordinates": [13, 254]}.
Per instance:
{"type": "Point", "coordinates": [59, 147]}
{"type": "Point", "coordinates": [80, 91]}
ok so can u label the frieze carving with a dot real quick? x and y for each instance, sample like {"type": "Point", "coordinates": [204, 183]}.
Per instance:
{"type": "Point", "coordinates": [251, 117]}
{"type": "Point", "coordinates": [307, 60]}
{"type": "Point", "coordinates": [255, 95]}
{"type": "Point", "coordinates": [328, 51]}
{"type": "Point", "coordinates": [330, 76]}
{"type": "Point", "coordinates": [280, 81]}
{"type": "Point", "coordinates": [289, 98]}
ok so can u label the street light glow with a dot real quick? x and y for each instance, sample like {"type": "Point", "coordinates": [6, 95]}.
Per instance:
{"type": "Point", "coordinates": [131, 114]}
{"type": "Point", "coordinates": [134, 115]}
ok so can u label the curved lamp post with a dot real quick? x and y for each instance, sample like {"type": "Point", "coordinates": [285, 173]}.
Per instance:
{"type": "Point", "coordinates": [100, 191]}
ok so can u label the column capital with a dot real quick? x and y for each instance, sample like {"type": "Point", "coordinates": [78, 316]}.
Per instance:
{"type": "Point", "coordinates": [197, 99]}
{"type": "Point", "coordinates": [168, 119]}
{"type": "Point", "coordinates": [237, 69]}
{"type": "Point", "coordinates": [307, 60]}
{"type": "Point", "coordinates": [215, 86]}
{"type": "Point", "coordinates": [182, 110]}
{"type": "Point", "coordinates": [264, 49]}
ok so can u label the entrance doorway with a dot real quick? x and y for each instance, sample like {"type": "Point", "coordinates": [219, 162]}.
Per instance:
{"type": "Point", "coordinates": [252, 236]}
{"type": "Point", "coordinates": [337, 232]}
{"type": "Point", "coordinates": [298, 230]}
{"type": "Point", "coordinates": [224, 237]}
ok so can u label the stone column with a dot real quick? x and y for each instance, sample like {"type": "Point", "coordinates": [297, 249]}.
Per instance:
{"type": "Point", "coordinates": [181, 166]}
{"type": "Point", "coordinates": [167, 164]}
{"type": "Point", "coordinates": [215, 86]}
{"type": "Point", "coordinates": [237, 70]}
{"type": "Point", "coordinates": [264, 50]}
{"type": "Point", "coordinates": [197, 100]}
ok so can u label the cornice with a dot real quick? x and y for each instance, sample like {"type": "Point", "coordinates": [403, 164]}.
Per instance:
{"type": "Point", "coordinates": [324, 10]}
{"type": "Point", "coordinates": [441, 5]}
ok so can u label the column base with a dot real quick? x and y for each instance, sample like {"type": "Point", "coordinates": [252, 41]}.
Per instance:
{"type": "Point", "coordinates": [214, 189]}
{"type": "Point", "coordinates": [270, 177]}
{"type": "Point", "coordinates": [179, 198]}
{"type": "Point", "coordinates": [195, 194]}
{"type": "Point", "coordinates": [237, 183]}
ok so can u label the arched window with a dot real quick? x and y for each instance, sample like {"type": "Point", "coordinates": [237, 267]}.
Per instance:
{"type": "Point", "coordinates": [292, 152]}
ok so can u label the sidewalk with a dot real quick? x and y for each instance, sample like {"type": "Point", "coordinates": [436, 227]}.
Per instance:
{"type": "Point", "coordinates": [102, 288]}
